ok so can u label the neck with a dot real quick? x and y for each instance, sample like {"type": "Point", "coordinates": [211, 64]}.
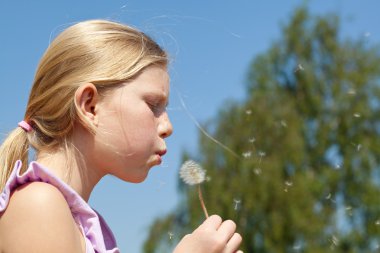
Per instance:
{"type": "Point", "coordinates": [73, 169]}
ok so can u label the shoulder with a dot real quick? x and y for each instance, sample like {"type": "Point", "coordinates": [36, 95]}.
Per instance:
{"type": "Point", "coordinates": [39, 214]}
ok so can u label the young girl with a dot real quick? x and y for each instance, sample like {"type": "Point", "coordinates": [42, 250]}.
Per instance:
{"type": "Point", "coordinates": [97, 107]}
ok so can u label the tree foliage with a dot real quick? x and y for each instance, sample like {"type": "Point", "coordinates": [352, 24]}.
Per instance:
{"type": "Point", "coordinates": [307, 175]}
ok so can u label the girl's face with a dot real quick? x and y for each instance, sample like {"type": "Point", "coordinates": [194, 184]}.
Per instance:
{"type": "Point", "coordinates": [132, 126]}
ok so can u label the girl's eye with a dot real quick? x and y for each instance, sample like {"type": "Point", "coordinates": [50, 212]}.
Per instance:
{"type": "Point", "coordinates": [156, 108]}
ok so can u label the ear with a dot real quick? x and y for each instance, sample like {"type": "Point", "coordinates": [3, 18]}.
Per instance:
{"type": "Point", "coordinates": [86, 101]}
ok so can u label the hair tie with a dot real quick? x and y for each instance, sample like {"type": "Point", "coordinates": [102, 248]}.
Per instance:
{"type": "Point", "coordinates": [25, 125]}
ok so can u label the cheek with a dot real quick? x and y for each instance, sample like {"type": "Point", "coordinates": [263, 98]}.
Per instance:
{"type": "Point", "coordinates": [139, 126]}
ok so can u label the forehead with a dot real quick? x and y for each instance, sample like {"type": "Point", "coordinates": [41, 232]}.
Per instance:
{"type": "Point", "coordinates": [153, 79]}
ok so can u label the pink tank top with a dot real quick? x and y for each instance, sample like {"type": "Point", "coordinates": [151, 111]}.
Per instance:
{"type": "Point", "coordinates": [98, 236]}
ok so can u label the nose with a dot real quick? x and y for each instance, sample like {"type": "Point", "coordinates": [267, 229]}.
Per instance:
{"type": "Point", "coordinates": [165, 128]}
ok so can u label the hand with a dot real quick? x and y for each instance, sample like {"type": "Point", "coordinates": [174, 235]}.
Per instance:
{"type": "Point", "coordinates": [213, 236]}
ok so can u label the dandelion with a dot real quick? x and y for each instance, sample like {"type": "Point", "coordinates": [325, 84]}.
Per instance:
{"type": "Point", "coordinates": [193, 174]}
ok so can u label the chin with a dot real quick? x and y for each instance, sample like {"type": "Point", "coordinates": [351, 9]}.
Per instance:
{"type": "Point", "coordinates": [135, 179]}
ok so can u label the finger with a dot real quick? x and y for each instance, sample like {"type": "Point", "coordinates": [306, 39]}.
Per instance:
{"type": "Point", "coordinates": [213, 222]}
{"type": "Point", "coordinates": [226, 230]}
{"type": "Point", "coordinates": [234, 244]}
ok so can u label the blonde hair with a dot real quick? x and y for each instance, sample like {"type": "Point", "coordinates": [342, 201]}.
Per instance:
{"type": "Point", "coordinates": [101, 52]}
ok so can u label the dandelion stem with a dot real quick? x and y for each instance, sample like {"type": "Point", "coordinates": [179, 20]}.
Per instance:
{"type": "Point", "coordinates": [202, 202]}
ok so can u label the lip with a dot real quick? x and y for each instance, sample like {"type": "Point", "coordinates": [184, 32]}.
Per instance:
{"type": "Point", "coordinates": [159, 159]}
{"type": "Point", "coordinates": [161, 152]}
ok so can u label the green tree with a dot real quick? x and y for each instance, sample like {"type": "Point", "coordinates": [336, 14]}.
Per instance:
{"type": "Point", "coordinates": [307, 176]}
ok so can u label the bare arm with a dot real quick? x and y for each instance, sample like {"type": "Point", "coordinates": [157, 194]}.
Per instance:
{"type": "Point", "coordinates": [38, 219]}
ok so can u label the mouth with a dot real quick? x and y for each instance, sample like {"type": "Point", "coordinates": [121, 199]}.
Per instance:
{"type": "Point", "coordinates": [161, 152]}
{"type": "Point", "coordinates": [159, 155]}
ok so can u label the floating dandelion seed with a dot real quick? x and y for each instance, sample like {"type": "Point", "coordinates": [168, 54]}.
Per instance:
{"type": "Point", "coordinates": [257, 171]}
{"type": "Point", "coordinates": [247, 154]}
{"type": "Point", "coordinates": [283, 123]}
{"type": "Point", "coordinates": [261, 154]}
{"type": "Point", "coordinates": [299, 68]}
{"type": "Point", "coordinates": [338, 166]}
{"type": "Point", "coordinates": [252, 140]}
{"type": "Point", "coordinates": [248, 112]}
{"type": "Point", "coordinates": [170, 235]}
{"type": "Point", "coordinates": [161, 184]}
{"type": "Point", "coordinates": [329, 197]}
{"type": "Point", "coordinates": [367, 34]}
{"type": "Point", "coordinates": [349, 210]}
{"type": "Point", "coordinates": [297, 247]}
{"type": "Point", "coordinates": [377, 222]}
{"type": "Point", "coordinates": [288, 183]}
{"type": "Point", "coordinates": [359, 147]}
{"type": "Point", "coordinates": [334, 241]}
{"type": "Point", "coordinates": [193, 174]}
{"type": "Point", "coordinates": [351, 92]}
{"type": "Point", "coordinates": [357, 115]}
{"type": "Point", "coordinates": [236, 203]}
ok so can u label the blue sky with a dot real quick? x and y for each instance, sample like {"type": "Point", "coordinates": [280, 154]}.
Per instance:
{"type": "Point", "coordinates": [211, 43]}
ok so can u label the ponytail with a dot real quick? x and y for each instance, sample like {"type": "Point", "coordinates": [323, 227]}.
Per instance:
{"type": "Point", "coordinates": [15, 147]}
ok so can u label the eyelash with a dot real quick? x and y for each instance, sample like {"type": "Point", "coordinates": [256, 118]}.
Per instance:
{"type": "Point", "coordinates": [156, 108]}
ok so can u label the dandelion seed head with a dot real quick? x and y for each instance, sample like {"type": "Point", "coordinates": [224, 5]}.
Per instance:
{"type": "Point", "coordinates": [192, 173]}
